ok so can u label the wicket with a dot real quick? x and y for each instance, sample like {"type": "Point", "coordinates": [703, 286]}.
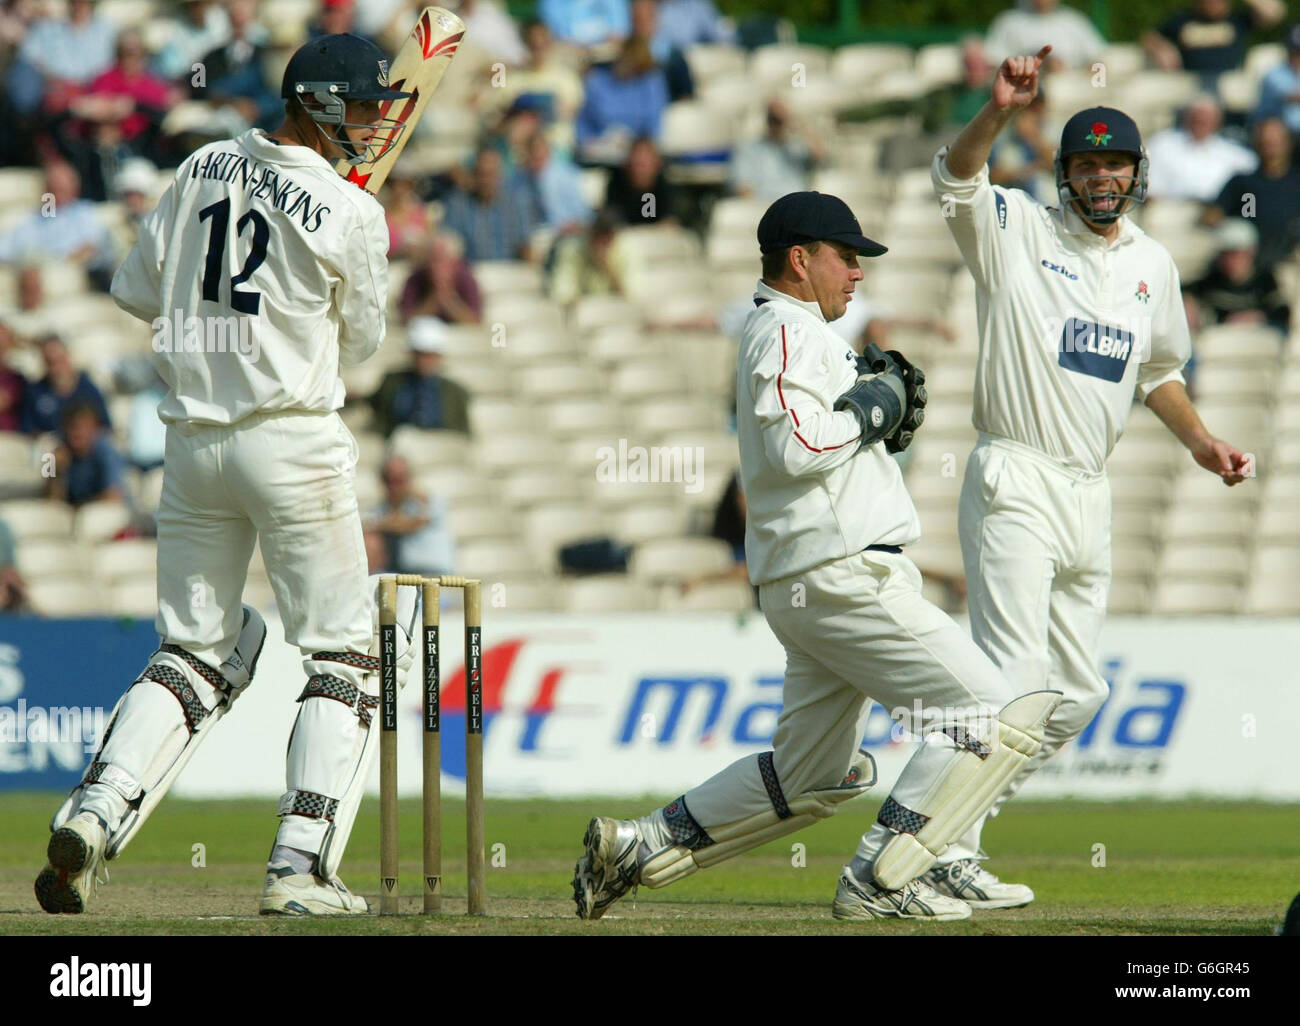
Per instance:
{"type": "Point", "coordinates": [431, 662]}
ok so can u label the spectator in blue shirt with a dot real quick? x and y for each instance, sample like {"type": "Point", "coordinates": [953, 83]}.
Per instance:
{"type": "Point", "coordinates": [1269, 196]}
{"type": "Point", "coordinates": [624, 100]}
{"type": "Point", "coordinates": [59, 54]}
{"type": "Point", "coordinates": [1209, 37]}
{"type": "Point", "coordinates": [555, 185]}
{"type": "Point", "coordinates": [414, 525]}
{"type": "Point", "coordinates": [683, 23]}
{"type": "Point", "coordinates": [234, 70]}
{"type": "Point", "coordinates": [1279, 90]}
{"type": "Point", "coordinates": [46, 400]}
{"type": "Point", "coordinates": [667, 57]}
{"type": "Point", "coordinates": [494, 220]}
{"type": "Point", "coordinates": [86, 466]}
{"type": "Point", "coordinates": [67, 229]}
{"type": "Point", "coordinates": [586, 22]}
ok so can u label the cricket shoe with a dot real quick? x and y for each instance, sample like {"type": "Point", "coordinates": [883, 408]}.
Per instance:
{"type": "Point", "coordinates": [969, 880]}
{"type": "Point", "coordinates": [71, 876]}
{"type": "Point", "coordinates": [608, 869]}
{"type": "Point", "coordinates": [305, 894]}
{"type": "Point", "coordinates": [914, 900]}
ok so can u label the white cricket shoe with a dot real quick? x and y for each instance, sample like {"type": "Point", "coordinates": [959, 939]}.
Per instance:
{"type": "Point", "coordinates": [305, 894]}
{"type": "Point", "coordinates": [608, 869]}
{"type": "Point", "coordinates": [914, 900]}
{"type": "Point", "coordinates": [75, 854]}
{"type": "Point", "coordinates": [969, 880]}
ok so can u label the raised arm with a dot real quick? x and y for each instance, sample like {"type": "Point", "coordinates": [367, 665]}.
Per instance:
{"type": "Point", "coordinates": [1014, 89]}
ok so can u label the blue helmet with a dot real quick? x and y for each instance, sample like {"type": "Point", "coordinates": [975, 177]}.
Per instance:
{"type": "Point", "coordinates": [1100, 130]}
{"type": "Point", "coordinates": [326, 72]}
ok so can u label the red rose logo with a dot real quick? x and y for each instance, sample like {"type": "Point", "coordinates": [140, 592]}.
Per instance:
{"type": "Point", "coordinates": [1099, 128]}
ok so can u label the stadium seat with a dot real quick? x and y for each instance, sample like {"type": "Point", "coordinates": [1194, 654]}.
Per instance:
{"type": "Point", "coordinates": [1239, 91]}
{"type": "Point", "coordinates": [513, 416]}
{"type": "Point", "coordinates": [518, 312]}
{"type": "Point", "coordinates": [132, 557]}
{"type": "Point", "coordinates": [532, 488]}
{"type": "Point", "coordinates": [508, 277]}
{"type": "Point", "coordinates": [591, 314]}
{"type": "Point", "coordinates": [1122, 61]}
{"type": "Point", "coordinates": [1195, 596]}
{"type": "Point", "coordinates": [1192, 558]}
{"type": "Point", "coordinates": [1129, 596]}
{"type": "Point", "coordinates": [725, 596]}
{"type": "Point", "coordinates": [455, 484]}
{"type": "Point", "coordinates": [134, 597]}
{"type": "Point", "coordinates": [1139, 489]}
{"type": "Point", "coordinates": [661, 416]}
{"type": "Point", "coordinates": [548, 526]}
{"type": "Point", "coordinates": [711, 60]}
{"type": "Point", "coordinates": [938, 64]}
{"type": "Point", "coordinates": [861, 63]}
{"type": "Point", "coordinates": [648, 522]}
{"type": "Point", "coordinates": [643, 379]}
{"type": "Point", "coordinates": [517, 593]}
{"type": "Point", "coordinates": [1238, 341]}
{"type": "Point", "coordinates": [559, 379]}
{"type": "Point", "coordinates": [472, 521]}
{"type": "Point", "coordinates": [1137, 558]}
{"type": "Point", "coordinates": [566, 418]}
{"type": "Point", "coordinates": [50, 558]}
{"type": "Point", "coordinates": [71, 596]}
{"type": "Point", "coordinates": [100, 521]}
{"type": "Point", "coordinates": [1272, 596]}
{"type": "Point", "coordinates": [646, 245]}
{"type": "Point", "coordinates": [428, 449]}
{"type": "Point", "coordinates": [737, 215]}
{"type": "Point", "coordinates": [617, 343]}
{"type": "Point", "coordinates": [485, 558]}
{"type": "Point", "coordinates": [730, 96]}
{"type": "Point", "coordinates": [1138, 524]}
{"type": "Point", "coordinates": [671, 559]}
{"type": "Point", "coordinates": [694, 129]}
{"type": "Point", "coordinates": [501, 452]}
{"type": "Point", "coordinates": [775, 66]}
{"type": "Point", "coordinates": [607, 593]}
{"type": "Point", "coordinates": [1264, 57]}
{"type": "Point", "coordinates": [37, 518]}
{"type": "Point", "coordinates": [1278, 524]}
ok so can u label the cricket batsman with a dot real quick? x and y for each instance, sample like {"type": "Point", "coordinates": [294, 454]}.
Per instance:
{"type": "Point", "coordinates": [828, 522]}
{"type": "Point", "coordinates": [1079, 313]}
{"type": "Point", "coordinates": [261, 233]}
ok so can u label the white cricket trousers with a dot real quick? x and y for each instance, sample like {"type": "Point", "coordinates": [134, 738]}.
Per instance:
{"type": "Point", "coordinates": [854, 630]}
{"type": "Point", "coordinates": [1035, 542]}
{"type": "Point", "coordinates": [288, 478]}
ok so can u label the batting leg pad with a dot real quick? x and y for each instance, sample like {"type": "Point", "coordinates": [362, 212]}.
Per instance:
{"type": "Point", "coordinates": [697, 848]}
{"type": "Point", "coordinates": [157, 726]}
{"type": "Point", "coordinates": [330, 751]}
{"type": "Point", "coordinates": [952, 781]}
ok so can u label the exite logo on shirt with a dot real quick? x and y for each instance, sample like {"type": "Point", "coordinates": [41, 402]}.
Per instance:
{"type": "Point", "coordinates": [1060, 270]}
{"type": "Point", "coordinates": [1098, 350]}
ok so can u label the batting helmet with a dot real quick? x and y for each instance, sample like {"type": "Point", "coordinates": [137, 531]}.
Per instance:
{"type": "Point", "coordinates": [325, 73]}
{"type": "Point", "coordinates": [1100, 130]}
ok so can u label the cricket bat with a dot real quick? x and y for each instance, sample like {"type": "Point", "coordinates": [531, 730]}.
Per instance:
{"type": "Point", "coordinates": [417, 69]}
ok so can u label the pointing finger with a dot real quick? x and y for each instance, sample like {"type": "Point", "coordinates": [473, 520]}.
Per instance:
{"type": "Point", "coordinates": [1042, 54]}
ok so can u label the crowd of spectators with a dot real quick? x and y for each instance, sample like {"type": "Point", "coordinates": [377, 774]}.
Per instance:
{"type": "Point", "coordinates": [569, 109]}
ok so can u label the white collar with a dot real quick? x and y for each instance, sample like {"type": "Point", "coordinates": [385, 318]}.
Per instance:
{"type": "Point", "coordinates": [1076, 226]}
{"type": "Point", "coordinates": [765, 291]}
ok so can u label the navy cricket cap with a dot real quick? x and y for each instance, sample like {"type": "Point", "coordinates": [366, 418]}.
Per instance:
{"type": "Point", "coordinates": [1099, 129]}
{"type": "Point", "coordinates": [799, 218]}
{"type": "Point", "coordinates": [355, 65]}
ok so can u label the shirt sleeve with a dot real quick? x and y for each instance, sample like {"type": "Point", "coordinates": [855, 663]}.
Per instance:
{"type": "Point", "coordinates": [137, 285]}
{"type": "Point", "coordinates": [363, 297]}
{"type": "Point", "coordinates": [802, 433]}
{"type": "Point", "coordinates": [985, 220]}
{"type": "Point", "coordinates": [1171, 342]}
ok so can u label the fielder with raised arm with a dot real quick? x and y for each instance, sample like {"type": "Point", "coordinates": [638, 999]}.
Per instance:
{"type": "Point", "coordinates": [258, 235]}
{"type": "Point", "coordinates": [828, 516]}
{"type": "Point", "coordinates": [1079, 311]}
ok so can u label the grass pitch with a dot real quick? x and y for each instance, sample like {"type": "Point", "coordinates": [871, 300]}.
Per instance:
{"type": "Point", "coordinates": [1162, 868]}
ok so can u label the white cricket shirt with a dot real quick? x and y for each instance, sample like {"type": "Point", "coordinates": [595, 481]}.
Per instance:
{"type": "Point", "coordinates": [270, 271]}
{"type": "Point", "coordinates": [812, 494]}
{"type": "Point", "coordinates": [1069, 327]}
